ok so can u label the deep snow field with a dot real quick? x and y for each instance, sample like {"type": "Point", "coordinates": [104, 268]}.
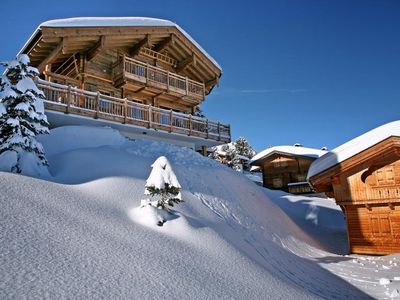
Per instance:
{"type": "Point", "coordinates": [80, 235]}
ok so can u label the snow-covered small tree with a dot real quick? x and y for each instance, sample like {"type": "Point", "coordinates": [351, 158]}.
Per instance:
{"type": "Point", "coordinates": [243, 148]}
{"type": "Point", "coordinates": [21, 119]}
{"type": "Point", "coordinates": [233, 154]}
{"type": "Point", "coordinates": [163, 183]}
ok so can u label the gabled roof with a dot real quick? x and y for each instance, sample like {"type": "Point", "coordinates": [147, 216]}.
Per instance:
{"type": "Point", "coordinates": [353, 147]}
{"type": "Point", "coordinates": [297, 151]}
{"type": "Point", "coordinates": [125, 32]}
{"type": "Point", "coordinates": [122, 22]}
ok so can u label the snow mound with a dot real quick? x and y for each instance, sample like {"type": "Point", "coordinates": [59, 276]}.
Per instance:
{"type": "Point", "coordinates": [228, 239]}
{"type": "Point", "coordinates": [64, 139]}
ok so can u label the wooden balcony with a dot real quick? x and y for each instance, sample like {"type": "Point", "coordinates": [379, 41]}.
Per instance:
{"type": "Point", "coordinates": [72, 100]}
{"type": "Point", "coordinates": [139, 74]}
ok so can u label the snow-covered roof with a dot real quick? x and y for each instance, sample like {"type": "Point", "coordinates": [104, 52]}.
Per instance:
{"type": "Point", "coordinates": [354, 147]}
{"type": "Point", "coordinates": [118, 22]}
{"type": "Point", "coordinates": [289, 150]}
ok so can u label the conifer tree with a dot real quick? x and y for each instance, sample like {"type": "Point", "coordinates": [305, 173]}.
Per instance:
{"type": "Point", "coordinates": [21, 119]}
{"type": "Point", "coordinates": [163, 183]}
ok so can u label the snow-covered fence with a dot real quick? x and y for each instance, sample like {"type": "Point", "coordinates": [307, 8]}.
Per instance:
{"type": "Point", "coordinates": [76, 101]}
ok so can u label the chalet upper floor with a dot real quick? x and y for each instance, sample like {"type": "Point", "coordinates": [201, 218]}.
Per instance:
{"type": "Point", "coordinates": [147, 61]}
{"type": "Point", "coordinates": [150, 60]}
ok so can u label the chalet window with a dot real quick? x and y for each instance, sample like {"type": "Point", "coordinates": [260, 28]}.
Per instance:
{"type": "Point", "coordinates": [385, 176]}
{"type": "Point", "coordinates": [277, 182]}
{"type": "Point", "coordinates": [301, 177]}
{"type": "Point", "coordinates": [279, 163]}
{"type": "Point", "coordinates": [380, 225]}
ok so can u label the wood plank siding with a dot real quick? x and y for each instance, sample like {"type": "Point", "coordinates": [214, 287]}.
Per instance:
{"type": "Point", "coordinates": [367, 187]}
{"type": "Point", "coordinates": [280, 170]}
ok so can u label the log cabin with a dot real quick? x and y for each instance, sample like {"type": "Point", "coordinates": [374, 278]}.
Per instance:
{"type": "Point", "coordinates": [363, 175]}
{"type": "Point", "coordinates": [285, 167]}
{"type": "Point", "coordinates": [142, 76]}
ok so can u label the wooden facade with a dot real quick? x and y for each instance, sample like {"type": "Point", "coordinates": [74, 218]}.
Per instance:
{"type": "Point", "coordinates": [367, 188]}
{"type": "Point", "coordinates": [286, 170]}
{"type": "Point", "coordinates": [127, 64]}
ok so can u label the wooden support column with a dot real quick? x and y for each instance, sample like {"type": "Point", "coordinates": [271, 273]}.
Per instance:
{"type": "Point", "coordinates": [135, 50]}
{"type": "Point", "coordinates": [96, 48]}
{"type": "Point", "coordinates": [165, 43]}
{"type": "Point", "coordinates": [186, 62]}
{"type": "Point", "coordinates": [47, 69]}
{"type": "Point", "coordinates": [204, 150]}
{"type": "Point", "coordinates": [150, 117]}
{"type": "Point", "coordinates": [52, 56]}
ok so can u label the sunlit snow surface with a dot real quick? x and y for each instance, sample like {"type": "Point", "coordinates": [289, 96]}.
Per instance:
{"type": "Point", "coordinates": [80, 236]}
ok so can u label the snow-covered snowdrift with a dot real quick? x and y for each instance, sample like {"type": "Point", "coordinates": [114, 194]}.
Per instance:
{"type": "Point", "coordinates": [75, 236]}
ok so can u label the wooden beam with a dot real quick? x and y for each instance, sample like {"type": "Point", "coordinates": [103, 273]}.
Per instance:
{"type": "Point", "coordinates": [92, 52]}
{"type": "Point", "coordinates": [165, 43]}
{"type": "Point", "coordinates": [140, 89]}
{"type": "Point", "coordinates": [186, 62]}
{"type": "Point", "coordinates": [52, 56]}
{"type": "Point", "coordinates": [143, 43]}
{"type": "Point", "coordinates": [212, 82]}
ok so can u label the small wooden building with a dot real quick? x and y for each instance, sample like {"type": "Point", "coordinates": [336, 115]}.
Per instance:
{"type": "Point", "coordinates": [285, 167]}
{"type": "Point", "coordinates": [147, 74]}
{"type": "Point", "coordinates": [363, 176]}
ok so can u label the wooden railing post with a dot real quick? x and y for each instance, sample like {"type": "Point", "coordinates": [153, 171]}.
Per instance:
{"type": "Point", "coordinates": [96, 115]}
{"type": "Point", "coordinates": [190, 125]}
{"type": "Point", "coordinates": [219, 131]}
{"type": "Point", "coordinates": [69, 96]}
{"type": "Point", "coordinates": [167, 81]}
{"type": "Point", "coordinates": [187, 86]}
{"type": "Point", "coordinates": [125, 109]}
{"type": "Point", "coordinates": [150, 117]}
{"type": "Point", "coordinates": [147, 73]}
{"type": "Point", "coordinates": [170, 120]}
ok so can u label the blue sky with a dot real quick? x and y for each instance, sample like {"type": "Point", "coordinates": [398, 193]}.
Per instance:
{"type": "Point", "coordinates": [315, 72]}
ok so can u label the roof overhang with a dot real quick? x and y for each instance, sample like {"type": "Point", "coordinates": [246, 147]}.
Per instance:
{"type": "Point", "coordinates": [82, 34]}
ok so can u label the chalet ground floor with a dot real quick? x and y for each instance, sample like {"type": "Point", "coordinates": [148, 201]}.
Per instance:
{"type": "Point", "coordinates": [374, 228]}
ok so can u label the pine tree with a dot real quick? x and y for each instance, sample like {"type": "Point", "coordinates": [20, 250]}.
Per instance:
{"type": "Point", "coordinates": [233, 153]}
{"type": "Point", "coordinates": [21, 119]}
{"type": "Point", "coordinates": [163, 183]}
{"type": "Point", "coordinates": [242, 149]}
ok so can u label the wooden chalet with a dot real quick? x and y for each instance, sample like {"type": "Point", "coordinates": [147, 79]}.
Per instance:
{"type": "Point", "coordinates": [363, 176]}
{"type": "Point", "coordinates": [285, 167]}
{"type": "Point", "coordinates": [147, 74]}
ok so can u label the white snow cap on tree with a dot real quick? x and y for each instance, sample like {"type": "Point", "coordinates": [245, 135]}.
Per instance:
{"type": "Point", "coordinates": [162, 174]}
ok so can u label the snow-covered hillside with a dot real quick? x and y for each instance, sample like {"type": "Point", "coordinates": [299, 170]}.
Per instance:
{"type": "Point", "coordinates": [74, 235]}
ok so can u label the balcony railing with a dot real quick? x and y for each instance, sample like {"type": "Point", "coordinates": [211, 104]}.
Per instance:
{"type": "Point", "coordinates": [80, 102]}
{"type": "Point", "coordinates": [146, 74]}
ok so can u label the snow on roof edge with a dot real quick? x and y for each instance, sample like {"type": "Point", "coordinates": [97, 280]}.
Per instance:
{"type": "Point", "coordinates": [117, 21]}
{"type": "Point", "coordinates": [353, 147]}
{"type": "Point", "coordinates": [301, 151]}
